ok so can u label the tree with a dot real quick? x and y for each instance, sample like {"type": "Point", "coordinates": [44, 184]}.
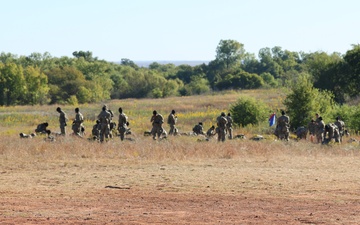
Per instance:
{"type": "Point", "coordinates": [12, 84]}
{"type": "Point", "coordinates": [305, 100]}
{"type": "Point", "coordinates": [88, 56]}
{"type": "Point", "coordinates": [37, 88]}
{"type": "Point", "coordinates": [248, 110]}
{"type": "Point", "coordinates": [230, 53]}
{"type": "Point", "coordinates": [128, 62]}
{"type": "Point", "coordinates": [350, 78]}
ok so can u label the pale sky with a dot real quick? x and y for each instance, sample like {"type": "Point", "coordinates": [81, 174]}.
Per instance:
{"type": "Point", "coordinates": [175, 30]}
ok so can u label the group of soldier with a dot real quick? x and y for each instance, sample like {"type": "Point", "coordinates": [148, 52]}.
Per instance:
{"type": "Point", "coordinates": [224, 126]}
{"type": "Point", "coordinates": [104, 127]}
{"type": "Point", "coordinates": [318, 131]}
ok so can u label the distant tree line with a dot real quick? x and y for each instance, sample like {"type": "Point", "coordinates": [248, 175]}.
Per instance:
{"type": "Point", "coordinates": [83, 78]}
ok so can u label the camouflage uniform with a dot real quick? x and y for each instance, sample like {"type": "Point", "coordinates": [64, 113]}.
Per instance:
{"type": "Point", "coordinates": [77, 126]}
{"type": "Point", "coordinates": [104, 117]}
{"type": "Point", "coordinates": [157, 121]}
{"type": "Point", "coordinates": [211, 132]}
{"type": "Point", "coordinates": [172, 119]}
{"type": "Point", "coordinates": [283, 125]}
{"type": "Point", "coordinates": [332, 132]}
{"type": "Point", "coordinates": [96, 130]}
{"type": "Point", "coordinates": [311, 129]}
{"type": "Point", "coordinates": [229, 128]}
{"type": "Point", "coordinates": [198, 129]}
{"type": "Point", "coordinates": [341, 126]}
{"type": "Point", "coordinates": [122, 125]}
{"type": "Point", "coordinates": [41, 128]}
{"type": "Point", "coordinates": [221, 123]}
{"type": "Point", "coordinates": [301, 132]}
{"type": "Point", "coordinates": [320, 129]}
{"type": "Point", "coordinates": [62, 120]}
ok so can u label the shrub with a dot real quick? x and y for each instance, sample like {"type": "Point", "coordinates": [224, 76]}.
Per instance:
{"type": "Point", "coordinates": [248, 110]}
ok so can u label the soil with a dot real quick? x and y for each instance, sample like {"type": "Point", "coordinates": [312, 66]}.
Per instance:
{"type": "Point", "coordinates": [75, 198]}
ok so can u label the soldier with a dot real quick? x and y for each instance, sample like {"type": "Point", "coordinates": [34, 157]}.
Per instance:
{"type": "Point", "coordinates": [62, 120]}
{"type": "Point", "coordinates": [122, 124]}
{"type": "Point", "coordinates": [211, 132]}
{"type": "Point", "coordinates": [96, 130]}
{"type": "Point", "coordinates": [222, 123]}
{"type": "Point", "coordinates": [77, 125]}
{"type": "Point", "coordinates": [198, 129]}
{"type": "Point", "coordinates": [283, 125]}
{"type": "Point", "coordinates": [172, 119]}
{"type": "Point", "coordinates": [320, 129]}
{"type": "Point", "coordinates": [332, 132]}
{"type": "Point", "coordinates": [311, 129]}
{"type": "Point", "coordinates": [104, 117]}
{"type": "Point", "coordinates": [41, 128]}
{"type": "Point", "coordinates": [157, 120]}
{"type": "Point", "coordinates": [341, 126]}
{"type": "Point", "coordinates": [229, 128]}
{"type": "Point", "coordinates": [301, 132]}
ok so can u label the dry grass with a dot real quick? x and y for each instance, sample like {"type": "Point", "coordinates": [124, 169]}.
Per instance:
{"type": "Point", "coordinates": [76, 170]}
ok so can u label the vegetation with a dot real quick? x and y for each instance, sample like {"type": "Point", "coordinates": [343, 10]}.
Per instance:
{"type": "Point", "coordinates": [43, 79]}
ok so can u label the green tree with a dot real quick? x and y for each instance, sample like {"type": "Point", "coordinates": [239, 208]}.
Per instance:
{"type": "Point", "coordinates": [12, 84]}
{"type": "Point", "coordinates": [230, 53]}
{"type": "Point", "coordinates": [37, 88]}
{"type": "Point", "coordinates": [305, 100]}
{"type": "Point", "coordinates": [248, 110]}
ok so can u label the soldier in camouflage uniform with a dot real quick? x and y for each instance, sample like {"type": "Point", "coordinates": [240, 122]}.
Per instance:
{"type": "Point", "coordinates": [341, 126]}
{"type": "Point", "coordinates": [122, 125]}
{"type": "Point", "coordinates": [211, 132]}
{"type": "Point", "coordinates": [157, 121]}
{"type": "Point", "coordinates": [311, 129]}
{"type": "Point", "coordinates": [62, 120]}
{"type": "Point", "coordinates": [172, 119]}
{"type": "Point", "coordinates": [105, 118]}
{"type": "Point", "coordinates": [198, 129]}
{"type": "Point", "coordinates": [221, 123]}
{"type": "Point", "coordinates": [332, 132]}
{"type": "Point", "coordinates": [96, 131]}
{"type": "Point", "coordinates": [283, 125]}
{"type": "Point", "coordinates": [229, 128]}
{"type": "Point", "coordinates": [301, 132]}
{"type": "Point", "coordinates": [77, 125]}
{"type": "Point", "coordinates": [320, 129]}
{"type": "Point", "coordinates": [42, 128]}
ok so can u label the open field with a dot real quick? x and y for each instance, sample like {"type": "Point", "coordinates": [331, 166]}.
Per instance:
{"type": "Point", "coordinates": [174, 181]}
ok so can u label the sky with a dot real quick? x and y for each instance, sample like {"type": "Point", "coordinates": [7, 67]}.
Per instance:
{"type": "Point", "coordinates": [170, 30]}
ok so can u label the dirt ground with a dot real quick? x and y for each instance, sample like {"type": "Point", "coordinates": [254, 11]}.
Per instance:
{"type": "Point", "coordinates": [307, 187]}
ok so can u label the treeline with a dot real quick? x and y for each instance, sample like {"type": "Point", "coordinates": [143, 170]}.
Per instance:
{"type": "Point", "coordinates": [83, 78]}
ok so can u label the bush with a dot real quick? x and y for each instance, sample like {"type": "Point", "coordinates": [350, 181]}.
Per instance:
{"type": "Point", "coordinates": [248, 110]}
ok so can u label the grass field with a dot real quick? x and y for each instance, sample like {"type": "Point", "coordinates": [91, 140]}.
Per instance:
{"type": "Point", "coordinates": [178, 180]}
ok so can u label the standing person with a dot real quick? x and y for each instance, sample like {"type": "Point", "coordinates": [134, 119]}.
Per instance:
{"type": "Point", "coordinates": [122, 124]}
{"type": "Point", "coordinates": [341, 126]}
{"type": "Point", "coordinates": [311, 129]}
{"type": "Point", "coordinates": [104, 117]}
{"type": "Point", "coordinates": [77, 126]}
{"type": "Point", "coordinates": [229, 128]}
{"type": "Point", "coordinates": [172, 119]}
{"type": "Point", "coordinates": [221, 123]}
{"type": "Point", "coordinates": [62, 120]}
{"type": "Point", "coordinates": [320, 130]}
{"type": "Point", "coordinates": [283, 125]}
{"type": "Point", "coordinates": [157, 120]}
